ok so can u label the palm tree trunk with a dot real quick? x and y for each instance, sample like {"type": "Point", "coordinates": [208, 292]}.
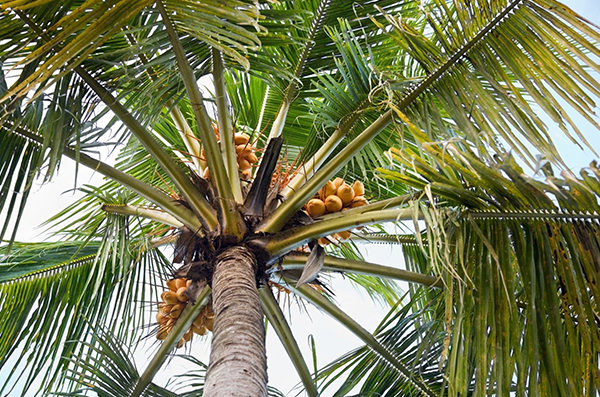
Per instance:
{"type": "Point", "coordinates": [238, 363]}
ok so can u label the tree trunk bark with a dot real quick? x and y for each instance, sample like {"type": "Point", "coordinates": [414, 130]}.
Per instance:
{"type": "Point", "coordinates": [238, 362]}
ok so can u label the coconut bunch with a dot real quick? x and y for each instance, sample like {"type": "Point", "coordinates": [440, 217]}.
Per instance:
{"type": "Point", "coordinates": [174, 300]}
{"type": "Point", "coordinates": [245, 152]}
{"type": "Point", "coordinates": [336, 196]}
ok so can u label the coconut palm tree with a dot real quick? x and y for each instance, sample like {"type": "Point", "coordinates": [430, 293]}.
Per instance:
{"type": "Point", "coordinates": [325, 120]}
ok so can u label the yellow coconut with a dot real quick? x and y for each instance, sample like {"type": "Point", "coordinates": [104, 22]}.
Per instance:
{"type": "Point", "coordinates": [251, 158]}
{"type": "Point", "coordinates": [338, 181]}
{"type": "Point", "coordinates": [246, 174]}
{"type": "Point", "coordinates": [165, 308]}
{"type": "Point", "coordinates": [162, 333]}
{"type": "Point", "coordinates": [315, 208]}
{"type": "Point", "coordinates": [199, 321]}
{"type": "Point", "coordinates": [172, 284]}
{"type": "Point", "coordinates": [358, 201]}
{"type": "Point", "coordinates": [241, 138]}
{"type": "Point", "coordinates": [177, 309]}
{"type": "Point", "coordinates": [244, 164]}
{"type": "Point", "coordinates": [188, 335]}
{"type": "Point", "coordinates": [345, 193]}
{"type": "Point", "coordinates": [180, 282]}
{"type": "Point", "coordinates": [181, 296]}
{"type": "Point", "coordinates": [201, 330]}
{"type": "Point", "coordinates": [208, 311]}
{"type": "Point", "coordinates": [161, 317]}
{"type": "Point", "coordinates": [327, 190]}
{"type": "Point", "coordinates": [359, 188]}
{"type": "Point", "coordinates": [345, 235]}
{"type": "Point", "coordinates": [323, 241]}
{"type": "Point", "coordinates": [333, 203]}
{"type": "Point", "coordinates": [169, 297]}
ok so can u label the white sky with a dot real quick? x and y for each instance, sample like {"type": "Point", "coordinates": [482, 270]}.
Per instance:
{"type": "Point", "coordinates": [332, 340]}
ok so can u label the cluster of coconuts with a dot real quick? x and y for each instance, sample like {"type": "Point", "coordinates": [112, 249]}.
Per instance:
{"type": "Point", "coordinates": [336, 196]}
{"type": "Point", "coordinates": [173, 302]}
{"type": "Point", "coordinates": [245, 155]}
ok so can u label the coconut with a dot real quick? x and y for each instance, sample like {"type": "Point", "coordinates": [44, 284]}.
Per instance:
{"type": "Point", "coordinates": [327, 190]}
{"type": "Point", "coordinates": [251, 158]}
{"type": "Point", "coordinates": [188, 335]}
{"type": "Point", "coordinates": [208, 311]}
{"type": "Point", "coordinates": [180, 282]}
{"type": "Point", "coordinates": [169, 297]}
{"type": "Point", "coordinates": [345, 235]}
{"type": "Point", "coordinates": [161, 317]}
{"type": "Point", "coordinates": [333, 203]}
{"type": "Point", "coordinates": [359, 188]}
{"type": "Point", "coordinates": [345, 193]}
{"type": "Point", "coordinates": [323, 241]}
{"type": "Point", "coordinates": [338, 181]}
{"type": "Point", "coordinates": [241, 138]}
{"type": "Point", "coordinates": [358, 201]}
{"type": "Point", "coordinates": [162, 333]}
{"type": "Point", "coordinates": [201, 330]}
{"type": "Point", "coordinates": [246, 174]}
{"type": "Point", "coordinates": [315, 208]}
{"type": "Point", "coordinates": [208, 323]}
{"type": "Point", "coordinates": [172, 284]}
{"type": "Point", "coordinates": [177, 309]}
{"type": "Point", "coordinates": [244, 164]}
{"type": "Point", "coordinates": [181, 296]}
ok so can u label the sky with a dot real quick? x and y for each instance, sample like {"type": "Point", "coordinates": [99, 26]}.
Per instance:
{"type": "Point", "coordinates": [331, 339]}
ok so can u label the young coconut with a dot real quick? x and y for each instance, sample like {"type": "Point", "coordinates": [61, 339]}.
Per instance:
{"type": "Point", "coordinates": [315, 208]}
{"type": "Point", "coordinates": [327, 190]}
{"type": "Point", "coordinates": [333, 203]}
{"type": "Point", "coordinates": [241, 139]}
{"type": "Point", "coordinates": [358, 201]}
{"type": "Point", "coordinates": [359, 188]}
{"type": "Point", "coordinates": [345, 193]}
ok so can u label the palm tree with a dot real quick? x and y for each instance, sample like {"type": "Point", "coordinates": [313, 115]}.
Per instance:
{"type": "Point", "coordinates": [434, 105]}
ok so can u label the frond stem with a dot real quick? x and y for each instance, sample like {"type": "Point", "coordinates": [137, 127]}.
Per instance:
{"type": "Point", "coordinates": [281, 243]}
{"type": "Point", "coordinates": [233, 224]}
{"type": "Point", "coordinates": [147, 213]}
{"type": "Point", "coordinates": [225, 127]}
{"type": "Point", "coordinates": [297, 260]}
{"type": "Point", "coordinates": [324, 304]}
{"type": "Point", "coordinates": [280, 325]}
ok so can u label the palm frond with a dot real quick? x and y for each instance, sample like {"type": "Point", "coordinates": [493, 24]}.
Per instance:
{"type": "Point", "coordinates": [51, 292]}
{"type": "Point", "coordinates": [491, 66]}
{"type": "Point", "coordinates": [521, 283]}
{"type": "Point", "coordinates": [107, 368]}
{"type": "Point", "coordinates": [411, 335]}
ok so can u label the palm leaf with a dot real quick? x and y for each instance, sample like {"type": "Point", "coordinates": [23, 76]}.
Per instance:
{"type": "Point", "coordinates": [52, 281]}
{"type": "Point", "coordinates": [518, 280]}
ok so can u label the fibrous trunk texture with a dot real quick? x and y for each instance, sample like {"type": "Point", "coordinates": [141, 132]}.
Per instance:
{"type": "Point", "coordinates": [238, 363]}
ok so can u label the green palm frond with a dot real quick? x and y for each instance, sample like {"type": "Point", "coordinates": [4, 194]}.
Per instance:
{"type": "Point", "coordinates": [51, 292]}
{"type": "Point", "coordinates": [491, 66]}
{"type": "Point", "coordinates": [107, 368]}
{"type": "Point", "coordinates": [518, 254]}
{"type": "Point", "coordinates": [412, 336]}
